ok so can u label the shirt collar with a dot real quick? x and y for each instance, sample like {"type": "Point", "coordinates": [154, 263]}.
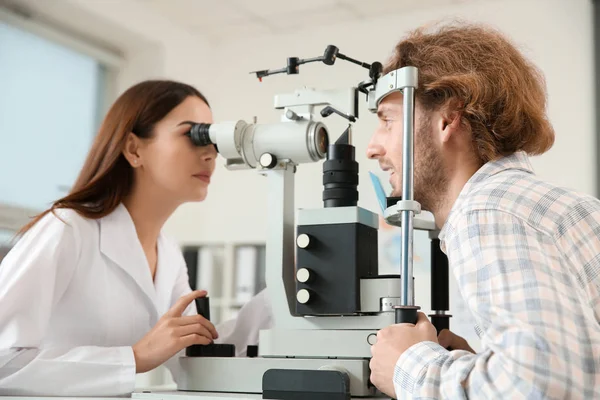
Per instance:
{"type": "Point", "coordinates": [516, 161]}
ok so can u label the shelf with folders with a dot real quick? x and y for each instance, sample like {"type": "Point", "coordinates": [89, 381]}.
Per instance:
{"type": "Point", "coordinates": [231, 273]}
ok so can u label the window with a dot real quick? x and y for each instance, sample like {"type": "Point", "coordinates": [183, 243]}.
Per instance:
{"type": "Point", "coordinates": [51, 104]}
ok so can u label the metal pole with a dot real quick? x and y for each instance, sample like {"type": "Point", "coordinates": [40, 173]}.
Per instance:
{"type": "Point", "coordinates": [407, 194]}
{"type": "Point", "coordinates": [596, 27]}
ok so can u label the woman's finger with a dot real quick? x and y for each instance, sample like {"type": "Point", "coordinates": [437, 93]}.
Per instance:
{"type": "Point", "coordinates": [196, 328]}
{"type": "Point", "coordinates": [195, 319]}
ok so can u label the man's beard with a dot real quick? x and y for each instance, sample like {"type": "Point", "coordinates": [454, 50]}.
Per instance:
{"type": "Point", "coordinates": [430, 178]}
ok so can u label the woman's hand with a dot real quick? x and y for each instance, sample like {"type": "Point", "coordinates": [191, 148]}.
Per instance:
{"type": "Point", "coordinates": [172, 333]}
{"type": "Point", "coordinates": [450, 340]}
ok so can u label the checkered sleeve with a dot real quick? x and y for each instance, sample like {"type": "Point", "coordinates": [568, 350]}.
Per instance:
{"type": "Point", "coordinates": [508, 274]}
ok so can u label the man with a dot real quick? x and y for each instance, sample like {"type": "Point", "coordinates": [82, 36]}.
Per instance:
{"type": "Point", "coordinates": [526, 254]}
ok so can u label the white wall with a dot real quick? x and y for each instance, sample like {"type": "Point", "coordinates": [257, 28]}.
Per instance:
{"type": "Point", "coordinates": [152, 46]}
{"type": "Point", "coordinates": [555, 34]}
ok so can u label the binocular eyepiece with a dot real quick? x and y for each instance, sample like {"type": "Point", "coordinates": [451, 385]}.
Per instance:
{"type": "Point", "coordinates": [242, 144]}
{"type": "Point", "coordinates": [300, 142]}
{"type": "Point", "coordinates": [200, 135]}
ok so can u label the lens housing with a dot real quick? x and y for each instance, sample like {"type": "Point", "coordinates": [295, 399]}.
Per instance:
{"type": "Point", "coordinates": [340, 177]}
{"type": "Point", "coordinates": [317, 141]}
{"type": "Point", "coordinates": [200, 134]}
{"type": "Point", "coordinates": [242, 144]}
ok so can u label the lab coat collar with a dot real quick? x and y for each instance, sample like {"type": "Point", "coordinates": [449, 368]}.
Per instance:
{"type": "Point", "coordinates": [120, 243]}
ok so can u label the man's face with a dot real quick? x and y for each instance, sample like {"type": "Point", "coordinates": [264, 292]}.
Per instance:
{"type": "Point", "coordinates": [386, 146]}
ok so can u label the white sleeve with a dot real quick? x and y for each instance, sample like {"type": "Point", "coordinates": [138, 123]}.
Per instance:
{"type": "Point", "coordinates": [33, 277]}
{"type": "Point", "coordinates": [243, 330]}
{"type": "Point", "coordinates": [182, 287]}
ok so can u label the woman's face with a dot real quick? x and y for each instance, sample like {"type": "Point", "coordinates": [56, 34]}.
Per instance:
{"type": "Point", "coordinates": [170, 163]}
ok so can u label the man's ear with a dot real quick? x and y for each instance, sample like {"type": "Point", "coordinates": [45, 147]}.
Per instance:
{"type": "Point", "coordinates": [451, 120]}
{"type": "Point", "coordinates": [131, 150]}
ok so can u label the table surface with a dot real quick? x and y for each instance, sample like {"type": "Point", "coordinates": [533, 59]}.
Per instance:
{"type": "Point", "coordinates": [170, 395]}
{"type": "Point", "coordinates": [179, 395]}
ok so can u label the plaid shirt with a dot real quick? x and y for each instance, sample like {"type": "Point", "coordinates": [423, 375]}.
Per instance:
{"type": "Point", "coordinates": [526, 256]}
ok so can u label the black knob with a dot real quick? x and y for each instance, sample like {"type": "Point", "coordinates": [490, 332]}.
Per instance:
{"type": "Point", "coordinates": [292, 65]}
{"type": "Point", "coordinates": [330, 54]}
{"type": "Point", "coordinates": [203, 307]}
{"type": "Point", "coordinates": [252, 351]}
{"type": "Point", "coordinates": [375, 70]}
{"type": "Point", "coordinates": [212, 349]}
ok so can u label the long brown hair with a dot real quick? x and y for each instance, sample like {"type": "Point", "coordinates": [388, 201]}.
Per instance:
{"type": "Point", "coordinates": [500, 94]}
{"type": "Point", "coordinates": [106, 177]}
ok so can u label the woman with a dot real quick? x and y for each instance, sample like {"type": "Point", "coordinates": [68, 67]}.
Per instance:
{"type": "Point", "coordinates": [94, 292]}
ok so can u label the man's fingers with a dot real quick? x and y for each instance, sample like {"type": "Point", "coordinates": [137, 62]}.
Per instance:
{"type": "Point", "coordinates": [422, 318]}
{"type": "Point", "coordinates": [445, 338]}
{"type": "Point", "coordinates": [183, 302]}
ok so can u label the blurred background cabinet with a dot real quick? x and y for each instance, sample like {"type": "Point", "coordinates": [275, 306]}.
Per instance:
{"type": "Point", "coordinates": [232, 273]}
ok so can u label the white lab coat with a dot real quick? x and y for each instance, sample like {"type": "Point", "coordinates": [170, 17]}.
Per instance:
{"type": "Point", "coordinates": [76, 295]}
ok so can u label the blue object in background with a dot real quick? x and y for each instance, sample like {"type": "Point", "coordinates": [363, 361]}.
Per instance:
{"type": "Point", "coordinates": [379, 192]}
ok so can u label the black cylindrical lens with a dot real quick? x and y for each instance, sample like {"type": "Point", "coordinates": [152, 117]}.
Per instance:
{"type": "Point", "coordinates": [340, 177]}
{"type": "Point", "coordinates": [200, 134]}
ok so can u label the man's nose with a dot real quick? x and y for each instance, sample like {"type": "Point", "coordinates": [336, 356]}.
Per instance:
{"type": "Point", "coordinates": [375, 150]}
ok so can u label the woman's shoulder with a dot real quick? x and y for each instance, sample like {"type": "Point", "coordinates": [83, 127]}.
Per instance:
{"type": "Point", "coordinates": [56, 233]}
{"type": "Point", "coordinates": [66, 219]}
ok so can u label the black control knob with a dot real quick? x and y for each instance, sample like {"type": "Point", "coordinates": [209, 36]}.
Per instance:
{"type": "Point", "coordinates": [203, 307]}
{"type": "Point", "coordinates": [213, 349]}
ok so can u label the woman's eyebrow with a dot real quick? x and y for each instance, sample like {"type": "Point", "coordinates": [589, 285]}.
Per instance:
{"type": "Point", "coordinates": [186, 122]}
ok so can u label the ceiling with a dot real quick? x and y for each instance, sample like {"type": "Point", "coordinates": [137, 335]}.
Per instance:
{"type": "Point", "coordinates": [222, 19]}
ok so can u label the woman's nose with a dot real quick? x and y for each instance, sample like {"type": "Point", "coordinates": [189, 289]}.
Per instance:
{"type": "Point", "coordinates": [211, 153]}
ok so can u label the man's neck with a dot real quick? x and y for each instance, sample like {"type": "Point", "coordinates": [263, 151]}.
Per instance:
{"type": "Point", "coordinates": [456, 183]}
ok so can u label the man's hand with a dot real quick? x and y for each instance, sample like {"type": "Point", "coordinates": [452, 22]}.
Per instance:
{"type": "Point", "coordinates": [391, 343]}
{"type": "Point", "coordinates": [450, 340]}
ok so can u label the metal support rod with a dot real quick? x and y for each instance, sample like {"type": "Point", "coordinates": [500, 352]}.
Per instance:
{"type": "Point", "coordinates": [596, 28]}
{"type": "Point", "coordinates": [440, 287]}
{"type": "Point", "coordinates": [440, 278]}
{"type": "Point", "coordinates": [280, 274]}
{"type": "Point", "coordinates": [407, 297]}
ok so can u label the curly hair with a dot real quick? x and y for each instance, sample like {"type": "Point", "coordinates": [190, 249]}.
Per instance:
{"type": "Point", "coordinates": [500, 94]}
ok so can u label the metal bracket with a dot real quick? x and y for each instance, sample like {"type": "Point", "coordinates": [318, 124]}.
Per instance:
{"type": "Point", "coordinates": [408, 205]}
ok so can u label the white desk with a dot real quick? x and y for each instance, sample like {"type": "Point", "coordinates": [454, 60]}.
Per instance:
{"type": "Point", "coordinates": [176, 395]}
{"type": "Point", "coordinates": [171, 395]}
